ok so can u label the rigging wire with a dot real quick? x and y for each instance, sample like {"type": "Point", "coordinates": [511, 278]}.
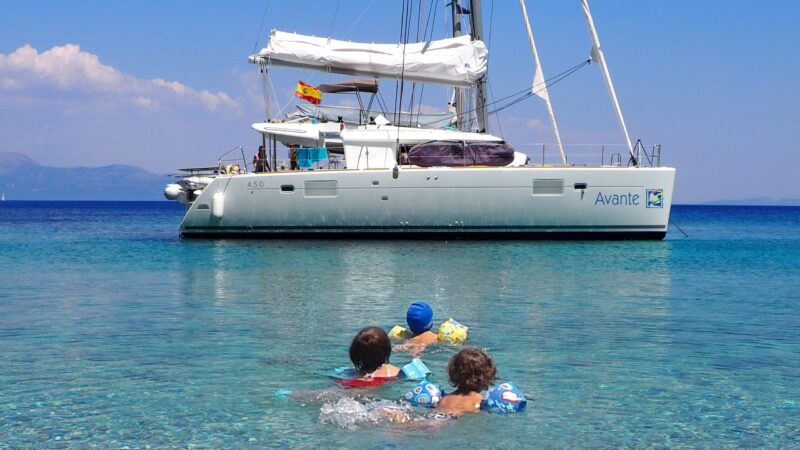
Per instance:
{"type": "Point", "coordinates": [406, 28]}
{"type": "Point", "coordinates": [265, 89]}
{"type": "Point", "coordinates": [554, 80]}
{"type": "Point", "coordinates": [430, 24]}
{"type": "Point", "coordinates": [275, 96]}
{"type": "Point", "coordinates": [261, 26]}
{"type": "Point", "coordinates": [526, 93]}
{"type": "Point", "coordinates": [402, 27]}
{"type": "Point", "coordinates": [489, 48]}
{"type": "Point", "coordinates": [335, 13]}
{"type": "Point", "coordinates": [359, 18]}
{"type": "Point", "coordinates": [414, 85]}
{"type": "Point", "coordinates": [497, 116]}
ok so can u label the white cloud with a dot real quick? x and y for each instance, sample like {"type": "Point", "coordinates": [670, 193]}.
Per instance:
{"type": "Point", "coordinates": [70, 70]}
{"type": "Point", "coordinates": [428, 109]}
{"type": "Point", "coordinates": [535, 124]}
{"type": "Point", "coordinates": [9, 84]}
{"type": "Point", "coordinates": [144, 102]}
{"type": "Point", "coordinates": [347, 103]}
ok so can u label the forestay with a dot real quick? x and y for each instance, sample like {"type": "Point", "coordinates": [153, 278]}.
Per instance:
{"type": "Point", "coordinates": [457, 61]}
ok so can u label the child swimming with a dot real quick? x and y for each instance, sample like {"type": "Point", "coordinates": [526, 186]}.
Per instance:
{"type": "Point", "coordinates": [470, 371]}
{"type": "Point", "coordinates": [370, 352]}
{"type": "Point", "coordinates": [419, 317]}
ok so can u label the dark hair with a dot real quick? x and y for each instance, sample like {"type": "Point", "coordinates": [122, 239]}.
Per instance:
{"type": "Point", "coordinates": [471, 370]}
{"type": "Point", "coordinates": [370, 349]}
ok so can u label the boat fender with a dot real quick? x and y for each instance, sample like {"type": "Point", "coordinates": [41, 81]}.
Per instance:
{"type": "Point", "coordinates": [395, 172]}
{"type": "Point", "coordinates": [452, 332]}
{"type": "Point", "coordinates": [504, 398]}
{"type": "Point", "coordinates": [424, 394]}
{"type": "Point", "coordinates": [172, 191]}
{"type": "Point", "coordinates": [218, 205]}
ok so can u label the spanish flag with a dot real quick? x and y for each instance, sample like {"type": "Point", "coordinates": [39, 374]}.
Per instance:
{"type": "Point", "coordinates": [308, 93]}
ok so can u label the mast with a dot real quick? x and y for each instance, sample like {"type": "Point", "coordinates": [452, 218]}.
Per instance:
{"type": "Point", "coordinates": [539, 87]}
{"type": "Point", "coordinates": [457, 93]}
{"type": "Point", "coordinates": [599, 57]}
{"type": "Point", "coordinates": [480, 85]}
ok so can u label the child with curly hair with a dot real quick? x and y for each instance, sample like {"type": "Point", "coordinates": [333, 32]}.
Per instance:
{"type": "Point", "coordinates": [470, 371]}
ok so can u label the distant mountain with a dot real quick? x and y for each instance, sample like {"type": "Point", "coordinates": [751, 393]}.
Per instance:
{"type": "Point", "coordinates": [758, 201]}
{"type": "Point", "coordinates": [22, 178]}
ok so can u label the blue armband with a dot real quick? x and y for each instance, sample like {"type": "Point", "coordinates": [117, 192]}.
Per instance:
{"type": "Point", "coordinates": [504, 398]}
{"type": "Point", "coordinates": [424, 393]}
{"type": "Point", "coordinates": [343, 373]}
{"type": "Point", "coordinates": [415, 370]}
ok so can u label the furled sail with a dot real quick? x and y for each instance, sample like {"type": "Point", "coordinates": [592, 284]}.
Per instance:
{"type": "Point", "coordinates": [457, 61]}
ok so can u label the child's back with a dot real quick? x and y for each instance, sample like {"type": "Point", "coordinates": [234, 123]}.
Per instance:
{"type": "Point", "coordinates": [470, 371]}
{"type": "Point", "coordinates": [370, 352]}
{"type": "Point", "coordinates": [420, 321]}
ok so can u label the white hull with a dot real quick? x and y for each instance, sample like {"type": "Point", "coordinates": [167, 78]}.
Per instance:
{"type": "Point", "coordinates": [474, 202]}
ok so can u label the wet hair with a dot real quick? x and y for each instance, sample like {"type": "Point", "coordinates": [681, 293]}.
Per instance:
{"type": "Point", "coordinates": [370, 349]}
{"type": "Point", "coordinates": [471, 370]}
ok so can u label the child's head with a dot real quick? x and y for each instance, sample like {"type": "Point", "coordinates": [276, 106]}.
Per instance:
{"type": "Point", "coordinates": [419, 317]}
{"type": "Point", "coordinates": [471, 370]}
{"type": "Point", "coordinates": [370, 349]}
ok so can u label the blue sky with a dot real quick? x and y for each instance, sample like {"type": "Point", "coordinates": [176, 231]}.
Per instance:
{"type": "Point", "coordinates": [164, 85]}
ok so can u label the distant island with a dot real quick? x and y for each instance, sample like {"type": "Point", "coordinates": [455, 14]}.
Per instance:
{"type": "Point", "coordinates": [22, 178]}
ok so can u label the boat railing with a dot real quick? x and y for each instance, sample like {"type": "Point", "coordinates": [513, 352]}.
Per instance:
{"type": "Point", "coordinates": [591, 155]}
{"type": "Point", "coordinates": [231, 163]}
{"type": "Point", "coordinates": [234, 160]}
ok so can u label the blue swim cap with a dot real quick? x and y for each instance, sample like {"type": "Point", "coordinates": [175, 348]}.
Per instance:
{"type": "Point", "coordinates": [419, 317]}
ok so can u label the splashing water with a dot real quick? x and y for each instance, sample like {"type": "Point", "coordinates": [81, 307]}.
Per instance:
{"type": "Point", "coordinates": [350, 414]}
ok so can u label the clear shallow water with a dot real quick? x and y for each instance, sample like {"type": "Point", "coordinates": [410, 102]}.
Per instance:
{"type": "Point", "coordinates": [115, 333]}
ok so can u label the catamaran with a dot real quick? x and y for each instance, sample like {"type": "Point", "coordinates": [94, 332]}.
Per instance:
{"type": "Point", "coordinates": [398, 174]}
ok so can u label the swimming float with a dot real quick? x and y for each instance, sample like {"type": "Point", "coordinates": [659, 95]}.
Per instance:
{"type": "Point", "coordinates": [452, 332]}
{"type": "Point", "coordinates": [415, 370]}
{"type": "Point", "coordinates": [504, 398]}
{"type": "Point", "coordinates": [425, 394]}
{"type": "Point", "coordinates": [349, 376]}
{"type": "Point", "coordinates": [399, 333]}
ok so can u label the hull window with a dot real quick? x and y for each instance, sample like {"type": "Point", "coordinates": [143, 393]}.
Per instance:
{"type": "Point", "coordinates": [321, 188]}
{"type": "Point", "coordinates": [287, 188]}
{"type": "Point", "coordinates": [548, 187]}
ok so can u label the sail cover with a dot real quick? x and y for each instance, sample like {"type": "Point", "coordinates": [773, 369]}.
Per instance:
{"type": "Point", "coordinates": [457, 61]}
{"type": "Point", "coordinates": [445, 153]}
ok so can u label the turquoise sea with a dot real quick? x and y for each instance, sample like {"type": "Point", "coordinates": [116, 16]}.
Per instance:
{"type": "Point", "coordinates": [115, 333]}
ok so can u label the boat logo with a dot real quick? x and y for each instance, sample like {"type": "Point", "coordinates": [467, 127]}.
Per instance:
{"type": "Point", "coordinates": [655, 198]}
